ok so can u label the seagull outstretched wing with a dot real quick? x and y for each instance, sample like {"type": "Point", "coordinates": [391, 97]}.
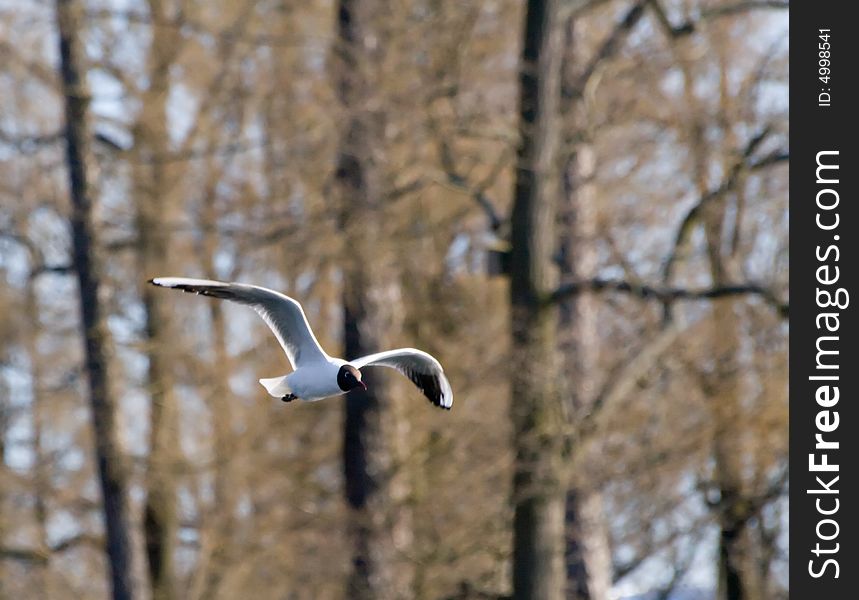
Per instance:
{"type": "Point", "coordinates": [283, 315]}
{"type": "Point", "coordinates": [424, 371]}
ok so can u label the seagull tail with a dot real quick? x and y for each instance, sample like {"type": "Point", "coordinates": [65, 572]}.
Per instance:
{"type": "Point", "coordinates": [276, 386]}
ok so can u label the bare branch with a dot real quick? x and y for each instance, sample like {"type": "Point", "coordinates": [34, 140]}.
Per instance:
{"type": "Point", "coordinates": [621, 570]}
{"type": "Point", "coordinates": [727, 10]}
{"type": "Point", "coordinates": [724, 187]}
{"type": "Point", "coordinates": [670, 30]}
{"type": "Point", "coordinates": [40, 71]}
{"type": "Point", "coordinates": [410, 187]}
{"type": "Point", "coordinates": [53, 269]}
{"type": "Point", "coordinates": [753, 503]}
{"type": "Point", "coordinates": [42, 555]}
{"type": "Point", "coordinates": [773, 158]}
{"type": "Point", "coordinates": [29, 144]}
{"type": "Point", "coordinates": [478, 193]}
{"type": "Point", "coordinates": [23, 555]}
{"type": "Point", "coordinates": [81, 539]}
{"type": "Point", "coordinates": [668, 295]}
{"type": "Point", "coordinates": [608, 48]}
{"type": "Point", "coordinates": [622, 383]}
{"type": "Point", "coordinates": [738, 7]}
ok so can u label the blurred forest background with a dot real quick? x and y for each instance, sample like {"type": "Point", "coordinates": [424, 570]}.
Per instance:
{"type": "Point", "coordinates": [579, 206]}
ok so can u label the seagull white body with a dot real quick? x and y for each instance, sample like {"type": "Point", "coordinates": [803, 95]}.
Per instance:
{"type": "Point", "coordinates": [316, 375]}
{"type": "Point", "coordinates": [313, 381]}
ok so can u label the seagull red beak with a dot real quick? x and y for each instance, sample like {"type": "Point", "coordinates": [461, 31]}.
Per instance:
{"type": "Point", "coordinates": [363, 385]}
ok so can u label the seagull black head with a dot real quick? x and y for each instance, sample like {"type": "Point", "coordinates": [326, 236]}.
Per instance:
{"type": "Point", "coordinates": [349, 378]}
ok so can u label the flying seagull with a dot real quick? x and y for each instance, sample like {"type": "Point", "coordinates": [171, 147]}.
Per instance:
{"type": "Point", "coordinates": [316, 375]}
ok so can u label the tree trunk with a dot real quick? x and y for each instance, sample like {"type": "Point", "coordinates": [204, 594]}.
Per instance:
{"type": "Point", "coordinates": [112, 474]}
{"type": "Point", "coordinates": [221, 409]}
{"type": "Point", "coordinates": [151, 189]}
{"type": "Point", "coordinates": [723, 389]}
{"type": "Point", "coordinates": [366, 453]}
{"type": "Point", "coordinates": [735, 577]}
{"type": "Point", "coordinates": [366, 465]}
{"type": "Point", "coordinates": [723, 381]}
{"type": "Point", "coordinates": [588, 554]}
{"type": "Point", "coordinates": [160, 517]}
{"type": "Point", "coordinates": [536, 412]}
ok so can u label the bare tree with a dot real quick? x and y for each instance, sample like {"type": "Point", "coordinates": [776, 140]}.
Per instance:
{"type": "Point", "coordinates": [538, 483]}
{"type": "Point", "coordinates": [588, 555]}
{"type": "Point", "coordinates": [366, 453]}
{"type": "Point", "coordinates": [151, 184]}
{"type": "Point", "coordinates": [112, 473]}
